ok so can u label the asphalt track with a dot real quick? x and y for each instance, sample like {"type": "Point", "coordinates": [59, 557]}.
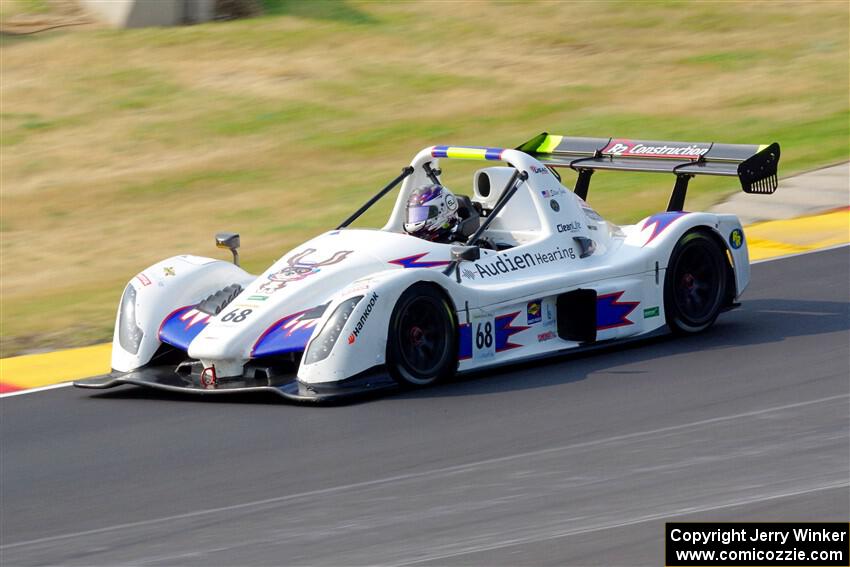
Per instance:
{"type": "Point", "coordinates": [573, 462]}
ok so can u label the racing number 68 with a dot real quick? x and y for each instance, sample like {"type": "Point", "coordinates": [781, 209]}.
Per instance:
{"type": "Point", "coordinates": [484, 337]}
{"type": "Point", "coordinates": [236, 316]}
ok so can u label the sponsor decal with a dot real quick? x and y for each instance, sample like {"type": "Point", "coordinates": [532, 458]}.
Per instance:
{"type": "Point", "coordinates": [534, 312]}
{"type": "Point", "coordinates": [736, 238]}
{"type": "Point", "coordinates": [549, 193]}
{"type": "Point", "coordinates": [569, 227]}
{"type": "Point", "coordinates": [487, 336]}
{"type": "Point", "coordinates": [168, 271]}
{"type": "Point", "coordinates": [659, 223]}
{"type": "Point", "coordinates": [416, 261]}
{"type": "Point", "coordinates": [363, 318]}
{"type": "Point", "coordinates": [257, 297]}
{"type": "Point", "coordinates": [506, 263]}
{"type": "Point", "coordinates": [299, 268]}
{"type": "Point", "coordinates": [451, 202]}
{"type": "Point", "coordinates": [628, 148]}
{"type": "Point", "coordinates": [539, 169]}
{"type": "Point", "coordinates": [612, 313]}
{"type": "Point", "coordinates": [143, 279]}
{"type": "Point", "coordinates": [547, 336]}
{"type": "Point", "coordinates": [651, 312]}
{"type": "Point", "coordinates": [484, 344]}
{"type": "Point", "coordinates": [467, 273]}
{"type": "Point", "coordinates": [555, 206]}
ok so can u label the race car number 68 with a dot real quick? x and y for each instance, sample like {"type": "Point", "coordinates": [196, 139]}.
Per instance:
{"type": "Point", "coordinates": [483, 337]}
{"type": "Point", "coordinates": [236, 316]}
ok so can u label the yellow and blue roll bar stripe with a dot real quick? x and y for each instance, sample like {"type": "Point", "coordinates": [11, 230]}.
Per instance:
{"type": "Point", "coordinates": [467, 152]}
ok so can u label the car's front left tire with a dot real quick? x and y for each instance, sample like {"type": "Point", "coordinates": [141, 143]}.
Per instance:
{"type": "Point", "coordinates": [422, 338]}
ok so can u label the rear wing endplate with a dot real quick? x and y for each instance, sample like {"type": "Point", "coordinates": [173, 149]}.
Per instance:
{"type": "Point", "coordinates": [754, 166]}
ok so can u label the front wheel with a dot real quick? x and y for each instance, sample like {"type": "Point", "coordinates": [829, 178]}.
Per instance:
{"type": "Point", "coordinates": [422, 339]}
{"type": "Point", "coordinates": [695, 284]}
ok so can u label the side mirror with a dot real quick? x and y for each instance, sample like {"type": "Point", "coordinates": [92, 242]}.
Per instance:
{"type": "Point", "coordinates": [466, 253]}
{"type": "Point", "coordinates": [229, 240]}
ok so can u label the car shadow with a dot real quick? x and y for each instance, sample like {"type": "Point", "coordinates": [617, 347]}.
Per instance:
{"type": "Point", "coordinates": [132, 392]}
{"type": "Point", "coordinates": [757, 322]}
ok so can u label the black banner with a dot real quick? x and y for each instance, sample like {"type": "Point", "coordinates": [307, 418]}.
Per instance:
{"type": "Point", "coordinates": [804, 544]}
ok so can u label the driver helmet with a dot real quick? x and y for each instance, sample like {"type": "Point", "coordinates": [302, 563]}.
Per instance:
{"type": "Point", "coordinates": [431, 212]}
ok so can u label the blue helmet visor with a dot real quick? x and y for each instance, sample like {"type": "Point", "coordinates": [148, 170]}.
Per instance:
{"type": "Point", "coordinates": [419, 214]}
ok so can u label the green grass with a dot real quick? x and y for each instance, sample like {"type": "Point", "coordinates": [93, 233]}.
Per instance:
{"type": "Point", "coordinates": [11, 8]}
{"type": "Point", "coordinates": [121, 147]}
{"type": "Point", "coordinates": [318, 9]}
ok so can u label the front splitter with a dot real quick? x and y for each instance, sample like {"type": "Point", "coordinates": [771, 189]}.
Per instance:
{"type": "Point", "coordinates": [165, 378]}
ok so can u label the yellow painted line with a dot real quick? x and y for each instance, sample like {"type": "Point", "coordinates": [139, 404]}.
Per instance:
{"type": "Point", "coordinates": [765, 240]}
{"type": "Point", "coordinates": [762, 249]}
{"type": "Point", "coordinates": [791, 236]}
{"type": "Point", "coordinates": [35, 370]}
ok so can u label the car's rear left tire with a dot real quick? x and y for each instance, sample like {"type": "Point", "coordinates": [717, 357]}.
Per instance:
{"type": "Point", "coordinates": [422, 338]}
{"type": "Point", "coordinates": [695, 283]}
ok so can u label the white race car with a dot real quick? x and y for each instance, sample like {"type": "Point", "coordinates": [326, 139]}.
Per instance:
{"type": "Point", "coordinates": [534, 272]}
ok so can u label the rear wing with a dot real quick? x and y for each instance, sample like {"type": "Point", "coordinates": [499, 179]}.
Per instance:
{"type": "Point", "coordinates": [754, 166]}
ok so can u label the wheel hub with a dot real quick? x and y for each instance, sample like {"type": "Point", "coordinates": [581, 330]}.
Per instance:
{"type": "Point", "coordinates": [699, 288]}
{"type": "Point", "coordinates": [417, 336]}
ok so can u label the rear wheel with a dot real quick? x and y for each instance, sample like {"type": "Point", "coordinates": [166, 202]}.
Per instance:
{"type": "Point", "coordinates": [422, 340]}
{"type": "Point", "coordinates": [695, 284]}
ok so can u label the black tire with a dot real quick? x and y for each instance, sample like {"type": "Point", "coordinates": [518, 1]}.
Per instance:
{"type": "Point", "coordinates": [695, 284]}
{"type": "Point", "coordinates": [422, 338]}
